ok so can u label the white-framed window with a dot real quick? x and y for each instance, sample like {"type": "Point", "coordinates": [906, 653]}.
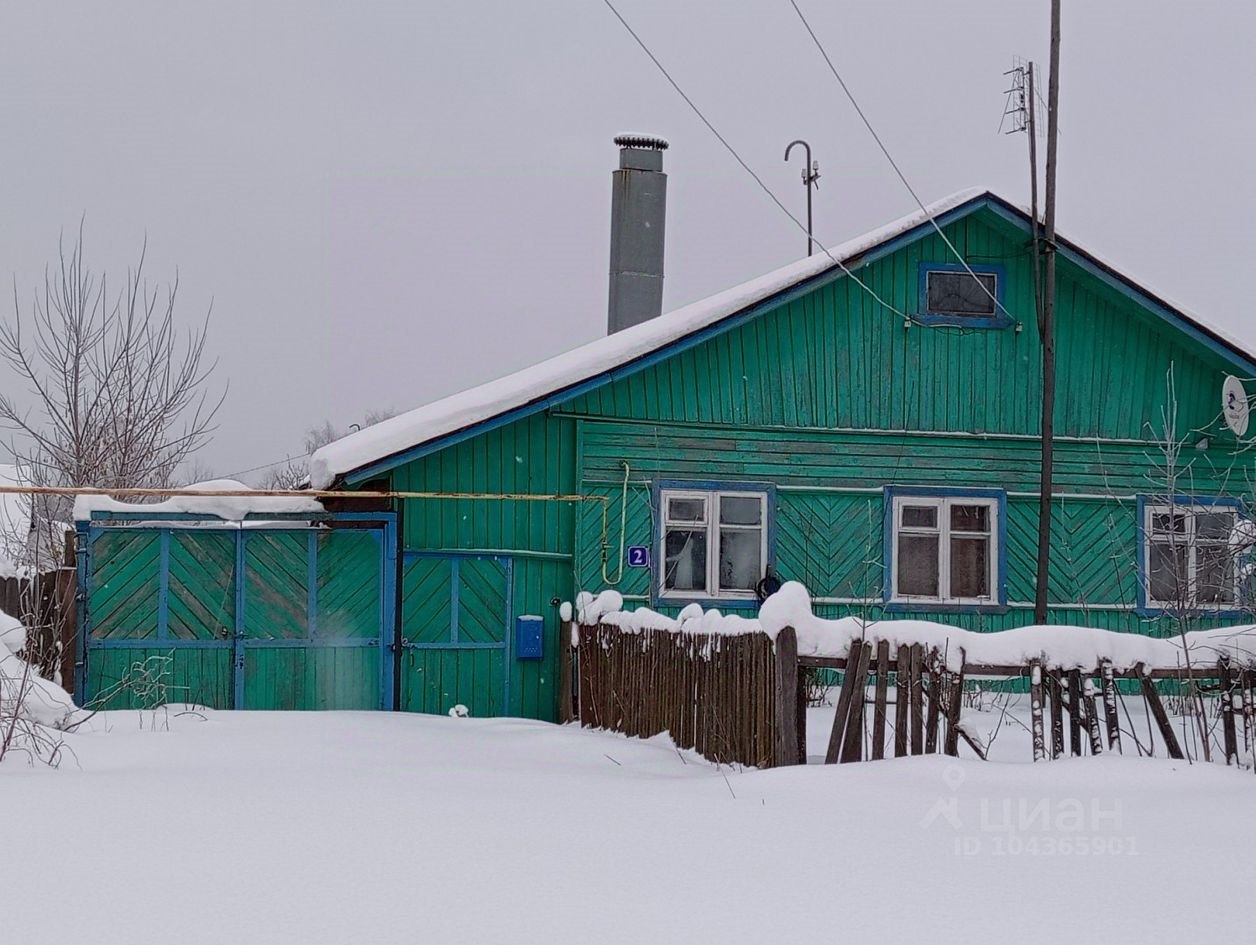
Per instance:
{"type": "Point", "coordinates": [715, 542]}
{"type": "Point", "coordinates": [945, 549]}
{"type": "Point", "coordinates": [1188, 562]}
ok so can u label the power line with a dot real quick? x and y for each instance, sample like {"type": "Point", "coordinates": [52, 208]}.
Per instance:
{"type": "Point", "coordinates": [241, 472]}
{"type": "Point", "coordinates": [746, 167]}
{"type": "Point", "coordinates": [894, 164]}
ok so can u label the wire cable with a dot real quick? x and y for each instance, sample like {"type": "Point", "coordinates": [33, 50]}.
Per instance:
{"type": "Point", "coordinates": [746, 167]}
{"type": "Point", "coordinates": [278, 462]}
{"type": "Point", "coordinates": [894, 164]}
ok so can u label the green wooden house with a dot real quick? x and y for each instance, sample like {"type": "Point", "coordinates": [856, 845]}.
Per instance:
{"type": "Point", "coordinates": [865, 422]}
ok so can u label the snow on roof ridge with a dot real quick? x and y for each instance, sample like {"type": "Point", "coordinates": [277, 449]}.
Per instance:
{"type": "Point", "coordinates": [485, 401]}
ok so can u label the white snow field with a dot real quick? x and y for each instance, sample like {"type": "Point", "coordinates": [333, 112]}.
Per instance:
{"type": "Point", "coordinates": [384, 828]}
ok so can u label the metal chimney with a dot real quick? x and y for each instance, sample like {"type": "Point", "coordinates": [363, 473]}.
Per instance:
{"type": "Point", "coordinates": [638, 213]}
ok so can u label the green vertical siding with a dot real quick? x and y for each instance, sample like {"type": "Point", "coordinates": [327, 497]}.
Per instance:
{"type": "Point", "coordinates": [532, 456]}
{"type": "Point", "coordinates": [835, 358]}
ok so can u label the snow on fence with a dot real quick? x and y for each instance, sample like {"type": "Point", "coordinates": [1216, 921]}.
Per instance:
{"type": "Point", "coordinates": [733, 689]}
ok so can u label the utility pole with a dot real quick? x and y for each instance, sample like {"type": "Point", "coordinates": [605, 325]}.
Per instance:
{"type": "Point", "coordinates": [1048, 324]}
{"type": "Point", "coordinates": [810, 176]}
{"type": "Point", "coordinates": [1031, 122]}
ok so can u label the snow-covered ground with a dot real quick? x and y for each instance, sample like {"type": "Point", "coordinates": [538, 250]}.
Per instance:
{"type": "Point", "coordinates": [390, 828]}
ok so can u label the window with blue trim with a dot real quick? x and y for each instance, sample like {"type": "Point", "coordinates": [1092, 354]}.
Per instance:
{"type": "Point", "coordinates": [714, 542]}
{"type": "Point", "coordinates": [952, 294]}
{"type": "Point", "coordinates": [945, 549]}
{"type": "Point", "coordinates": [1188, 561]}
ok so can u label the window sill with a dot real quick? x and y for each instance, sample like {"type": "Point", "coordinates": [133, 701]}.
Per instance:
{"type": "Point", "coordinates": [963, 321]}
{"type": "Point", "coordinates": [721, 603]}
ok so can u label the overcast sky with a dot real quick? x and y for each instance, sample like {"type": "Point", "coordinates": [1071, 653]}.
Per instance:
{"type": "Point", "coordinates": [388, 202]}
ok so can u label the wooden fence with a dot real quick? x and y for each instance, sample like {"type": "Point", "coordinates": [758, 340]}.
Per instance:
{"type": "Point", "coordinates": [742, 699]}
{"type": "Point", "coordinates": [721, 695]}
{"type": "Point", "coordinates": [927, 693]}
{"type": "Point", "coordinates": [47, 604]}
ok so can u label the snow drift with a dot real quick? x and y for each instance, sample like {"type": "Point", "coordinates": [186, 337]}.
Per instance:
{"type": "Point", "coordinates": [23, 692]}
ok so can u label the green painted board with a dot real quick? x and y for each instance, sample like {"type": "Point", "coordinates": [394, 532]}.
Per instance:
{"type": "Point", "coordinates": [455, 613]}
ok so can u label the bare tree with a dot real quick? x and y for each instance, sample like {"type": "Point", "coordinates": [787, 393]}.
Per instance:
{"type": "Point", "coordinates": [117, 392]}
{"type": "Point", "coordinates": [1197, 553]}
{"type": "Point", "coordinates": [294, 473]}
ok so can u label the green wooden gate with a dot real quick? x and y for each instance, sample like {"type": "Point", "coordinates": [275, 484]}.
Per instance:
{"type": "Point", "coordinates": [270, 617]}
{"type": "Point", "coordinates": [455, 628]}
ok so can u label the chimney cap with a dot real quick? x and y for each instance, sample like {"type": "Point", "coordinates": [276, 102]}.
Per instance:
{"type": "Point", "coordinates": [648, 142]}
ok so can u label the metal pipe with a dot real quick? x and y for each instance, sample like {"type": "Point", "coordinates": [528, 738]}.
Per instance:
{"type": "Point", "coordinates": [298, 493]}
{"type": "Point", "coordinates": [810, 175]}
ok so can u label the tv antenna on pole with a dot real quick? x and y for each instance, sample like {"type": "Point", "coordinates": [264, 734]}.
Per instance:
{"type": "Point", "coordinates": [810, 178]}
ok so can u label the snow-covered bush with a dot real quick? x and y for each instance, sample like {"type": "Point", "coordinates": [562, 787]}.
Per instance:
{"type": "Point", "coordinates": [33, 711]}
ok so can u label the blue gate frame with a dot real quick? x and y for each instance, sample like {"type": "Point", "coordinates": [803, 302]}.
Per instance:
{"type": "Point", "coordinates": [163, 523]}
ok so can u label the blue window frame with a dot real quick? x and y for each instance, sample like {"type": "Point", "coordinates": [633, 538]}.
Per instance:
{"type": "Point", "coordinates": [945, 549]}
{"type": "Point", "coordinates": [1185, 560]}
{"type": "Point", "coordinates": [949, 296]}
{"type": "Point", "coordinates": [714, 541]}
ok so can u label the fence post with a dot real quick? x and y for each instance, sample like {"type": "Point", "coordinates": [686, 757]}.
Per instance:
{"type": "Point", "coordinates": [65, 612]}
{"type": "Point", "coordinates": [567, 631]}
{"type": "Point", "coordinates": [1227, 710]}
{"type": "Point", "coordinates": [1035, 709]}
{"type": "Point", "coordinates": [954, 709]}
{"type": "Point", "coordinates": [1109, 707]}
{"type": "Point", "coordinates": [786, 708]}
{"type": "Point", "coordinates": [878, 707]}
{"type": "Point", "coordinates": [1158, 713]}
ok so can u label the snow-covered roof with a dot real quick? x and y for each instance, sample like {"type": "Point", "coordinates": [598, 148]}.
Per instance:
{"type": "Point", "coordinates": [476, 405]}
{"type": "Point", "coordinates": [453, 413]}
{"type": "Point", "coordinates": [227, 499]}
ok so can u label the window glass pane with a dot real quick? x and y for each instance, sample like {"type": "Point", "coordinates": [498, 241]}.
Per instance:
{"type": "Point", "coordinates": [970, 518]}
{"type": "Point", "coordinates": [1214, 576]}
{"type": "Point", "coordinates": [958, 293]}
{"type": "Point", "coordinates": [686, 509]}
{"type": "Point", "coordinates": [970, 567]}
{"type": "Point", "coordinates": [741, 509]}
{"type": "Point", "coordinates": [920, 516]}
{"type": "Point", "coordinates": [1169, 523]}
{"type": "Point", "coordinates": [685, 564]}
{"type": "Point", "coordinates": [1166, 569]}
{"type": "Point", "coordinates": [918, 565]}
{"type": "Point", "coordinates": [1213, 525]}
{"type": "Point", "coordinates": [740, 559]}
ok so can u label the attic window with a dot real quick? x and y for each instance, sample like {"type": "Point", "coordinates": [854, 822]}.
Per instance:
{"type": "Point", "coordinates": [950, 294]}
{"type": "Point", "coordinates": [958, 293]}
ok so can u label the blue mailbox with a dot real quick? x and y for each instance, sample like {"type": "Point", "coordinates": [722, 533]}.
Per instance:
{"type": "Point", "coordinates": [529, 637]}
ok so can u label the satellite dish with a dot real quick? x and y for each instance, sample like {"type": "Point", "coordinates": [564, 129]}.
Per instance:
{"type": "Point", "coordinates": [1234, 405]}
